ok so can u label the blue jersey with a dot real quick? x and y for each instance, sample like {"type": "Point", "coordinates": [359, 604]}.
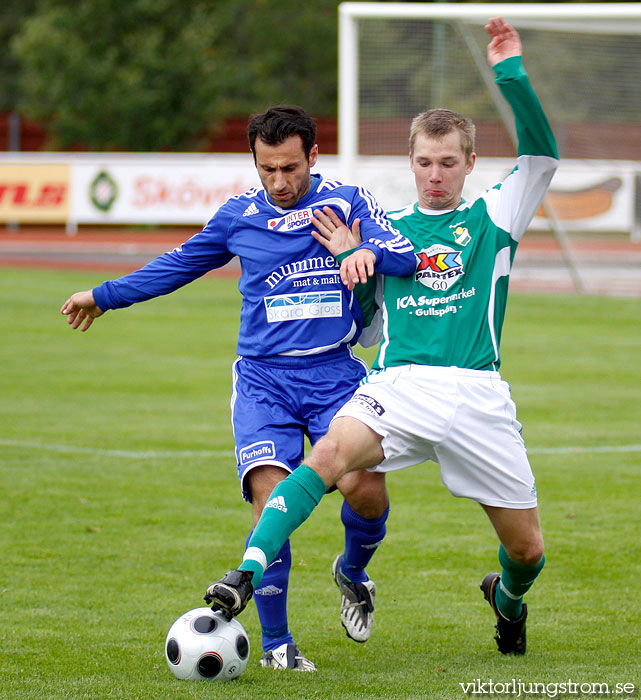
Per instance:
{"type": "Point", "coordinates": [293, 300]}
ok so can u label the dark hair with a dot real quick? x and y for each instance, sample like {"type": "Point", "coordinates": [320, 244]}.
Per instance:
{"type": "Point", "coordinates": [279, 123]}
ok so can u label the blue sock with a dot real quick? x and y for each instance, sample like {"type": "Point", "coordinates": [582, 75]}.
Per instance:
{"type": "Point", "coordinates": [362, 537]}
{"type": "Point", "coordinates": [271, 600]}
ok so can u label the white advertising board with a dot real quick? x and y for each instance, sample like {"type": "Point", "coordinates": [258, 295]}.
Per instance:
{"type": "Point", "coordinates": [186, 189]}
{"type": "Point", "coordinates": [583, 196]}
{"type": "Point", "coordinates": [157, 190]}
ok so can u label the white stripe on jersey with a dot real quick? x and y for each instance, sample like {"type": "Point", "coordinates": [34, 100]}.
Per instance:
{"type": "Point", "coordinates": [502, 267]}
{"type": "Point", "coordinates": [358, 359]}
{"type": "Point", "coordinates": [379, 214]}
{"type": "Point", "coordinates": [400, 213]}
{"type": "Point", "coordinates": [341, 203]}
{"type": "Point", "coordinates": [251, 192]}
{"type": "Point", "coordinates": [328, 184]}
{"type": "Point", "coordinates": [512, 204]}
{"type": "Point", "coordinates": [398, 244]}
{"type": "Point", "coordinates": [324, 348]}
{"type": "Point", "coordinates": [384, 320]}
{"type": "Point", "coordinates": [234, 395]}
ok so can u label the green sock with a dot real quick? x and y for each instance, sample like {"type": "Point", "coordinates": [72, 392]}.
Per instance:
{"type": "Point", "coordinates": [516, 580]}
{"type": "Point", "coordinates": [288, 506]}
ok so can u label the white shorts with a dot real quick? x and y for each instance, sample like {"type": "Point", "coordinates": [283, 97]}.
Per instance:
{"type": "Point", "coordinates": [463, 419]}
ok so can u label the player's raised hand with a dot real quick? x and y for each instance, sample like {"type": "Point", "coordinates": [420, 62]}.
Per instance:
{"type": "Point", "coordinates": [335, 235]}
{"type": "Point", "coordinates": [357, 267]}
{"type": "Point", "coordinates": [504, 43]}
{"type": "Point", "coordinates": [80, 307]}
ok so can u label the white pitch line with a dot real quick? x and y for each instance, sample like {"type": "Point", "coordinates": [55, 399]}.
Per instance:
{"type": "Point", "coordinates": [168, 454]}
{"type": "Point", "coordinates": [570, 450]}
{"type": "Point", "coordinates": [147, 454]}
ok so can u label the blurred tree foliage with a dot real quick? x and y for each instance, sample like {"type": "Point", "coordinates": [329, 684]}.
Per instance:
{"type": "Point", "coordinates": [145, 75]}
{"type": "Point", "coordinates": [12, 15]}
{"type": "Point", "coordinates": [154, 75]}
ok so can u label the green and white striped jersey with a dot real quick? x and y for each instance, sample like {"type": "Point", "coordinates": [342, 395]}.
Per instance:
{"type": "Point", "coordinates": [450, 312]}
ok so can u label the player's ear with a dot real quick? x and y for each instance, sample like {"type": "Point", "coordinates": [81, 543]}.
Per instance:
{"type": "Point", "coordinates": [313, 155]}
{"type": "Point", "coordinates": [470, 163]}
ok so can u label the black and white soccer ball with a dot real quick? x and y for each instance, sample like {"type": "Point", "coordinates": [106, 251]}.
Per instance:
{"type": "Point", "coordinates": [203, 645]}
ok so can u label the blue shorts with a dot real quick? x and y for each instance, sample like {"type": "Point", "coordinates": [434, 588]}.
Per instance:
{"type": "Point", "coordinates": [278, 401]}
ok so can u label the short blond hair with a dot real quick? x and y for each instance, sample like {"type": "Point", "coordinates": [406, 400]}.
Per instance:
{"type": "Point", "coordinates": [437, 123]}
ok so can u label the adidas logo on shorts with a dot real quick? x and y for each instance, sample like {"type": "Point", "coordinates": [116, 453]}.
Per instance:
{"type": "Point", "coordinates": [277, 502]}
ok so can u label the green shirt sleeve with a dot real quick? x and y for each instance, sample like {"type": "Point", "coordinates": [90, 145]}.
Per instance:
{"type": "Point", "coordinates": [365, 293]}
{"type": "Point", "coordinates": [532, 127]}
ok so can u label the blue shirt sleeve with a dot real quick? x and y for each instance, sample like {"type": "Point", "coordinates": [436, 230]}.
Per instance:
{"type": "Point", "coordinates": [203, 252]}
{"type": "Point", "coordinates": [394, 252]}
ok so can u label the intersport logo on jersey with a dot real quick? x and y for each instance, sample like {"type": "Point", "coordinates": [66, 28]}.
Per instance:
{"type": "Point", "coordinates": [439, 267]}
{"type": "Point", "coordinates": [292, 221]}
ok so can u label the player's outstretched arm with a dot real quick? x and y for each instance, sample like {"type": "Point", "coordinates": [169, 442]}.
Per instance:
{"type": "Point", "coordinates": [504, 41]}
{"type": "Point", "coordinates": [521, 193]}
{"type": "Point", "coordinates": [80, 307]}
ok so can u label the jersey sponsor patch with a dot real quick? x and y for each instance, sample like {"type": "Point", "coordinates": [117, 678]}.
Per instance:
{"type": "Point", "coordinates": [372, 405]}
{"type": "Point", "coordinates": [439, 267]}
{"type": "Point", "coordinates": [257, 451]}
{"type": "Point", "coordinates": [305, 306]}
{"type": "Point", "coordinates": [304, 270]}
{"type": "Point", "coordinates": [299, 218]}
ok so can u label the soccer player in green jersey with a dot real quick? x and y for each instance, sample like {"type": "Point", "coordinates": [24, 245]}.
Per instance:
{"type": "Point", "coordinates": [435, 392]}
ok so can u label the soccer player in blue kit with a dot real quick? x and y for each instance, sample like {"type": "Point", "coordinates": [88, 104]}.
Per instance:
{"type": "Point", "coordinates": [298, 323]}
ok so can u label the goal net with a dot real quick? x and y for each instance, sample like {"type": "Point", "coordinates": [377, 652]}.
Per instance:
{"type": "Point", "coordinates": [583, 59]}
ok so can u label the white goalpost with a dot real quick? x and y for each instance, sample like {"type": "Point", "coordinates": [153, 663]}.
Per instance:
{"type": "Point", "coordinates": [584, 60]}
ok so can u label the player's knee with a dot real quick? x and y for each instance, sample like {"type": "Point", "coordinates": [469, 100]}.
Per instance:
{"type": "Point", "coordinates": [327, 458]}
{"type": "Point", "coordinates": [527, 552]}
{"type": "Point", "coordinates": [366, 493]}
{"type": "Point", "coordinates": [330, 456]}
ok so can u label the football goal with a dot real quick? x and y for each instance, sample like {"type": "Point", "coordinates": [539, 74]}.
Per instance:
{"type": "Point", "coordinates": [584, 61]}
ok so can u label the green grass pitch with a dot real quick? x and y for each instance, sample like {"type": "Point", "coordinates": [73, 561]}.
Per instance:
{"type": "Point", "coordinates": [119, 503]}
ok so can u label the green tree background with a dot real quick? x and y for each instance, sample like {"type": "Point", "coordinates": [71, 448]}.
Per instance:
{"type": "Point", "coordinates": [12, 15]}
{"type": "Point", "coordinates": [150, 75]}
{"type": "Point", "coordinates": [146, 75]}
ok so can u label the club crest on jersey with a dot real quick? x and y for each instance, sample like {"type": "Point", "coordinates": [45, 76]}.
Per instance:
{"type": "Point", "coordinates": [462, 236]}
{"type": "Point", "coordinates": [299, 218]}
{"type": "Point", "coordinates": [439, 267]}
